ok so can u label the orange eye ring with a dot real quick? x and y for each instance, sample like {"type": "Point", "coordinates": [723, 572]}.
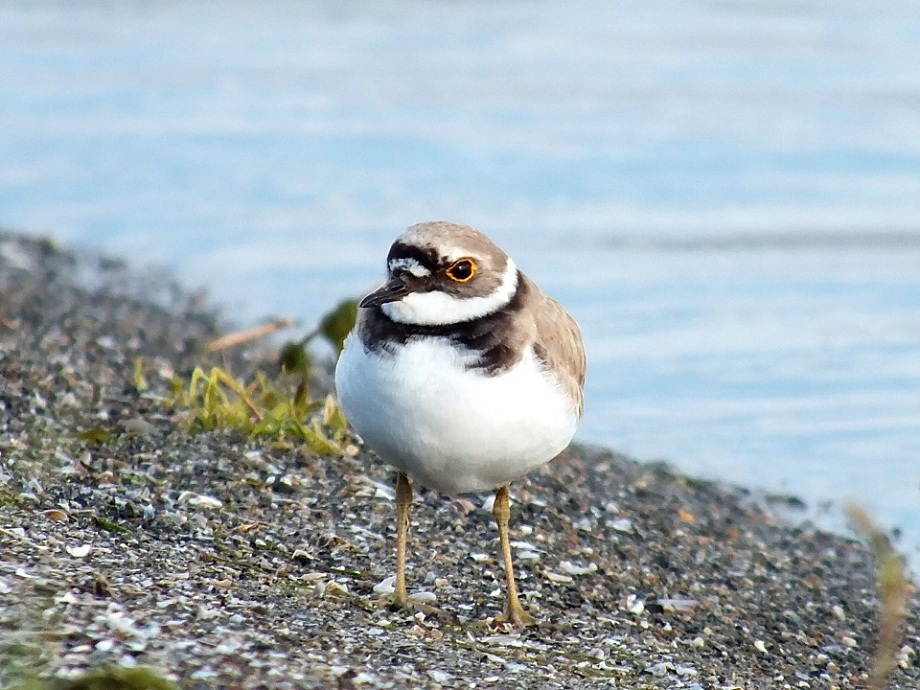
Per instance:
{"type": "Point", "coordinates": [462, 270]}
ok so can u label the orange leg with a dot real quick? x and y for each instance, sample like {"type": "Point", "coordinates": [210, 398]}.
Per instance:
{"type": "Point", "coordinates": [514, 612]}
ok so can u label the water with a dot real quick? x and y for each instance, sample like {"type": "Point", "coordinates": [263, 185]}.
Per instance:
{"type": "Point", "coordinates": [726, 194]}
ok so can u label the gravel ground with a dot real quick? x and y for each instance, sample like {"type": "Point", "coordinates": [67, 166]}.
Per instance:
{"type": "Point", "coordinates": [221, 561]}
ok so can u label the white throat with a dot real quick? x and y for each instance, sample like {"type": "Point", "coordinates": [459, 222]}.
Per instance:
{"type": "Point", "coordinates": [440, 309]}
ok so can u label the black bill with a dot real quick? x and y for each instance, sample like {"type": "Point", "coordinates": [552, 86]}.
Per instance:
{"type": "Point", "coordinates": [395, 289]}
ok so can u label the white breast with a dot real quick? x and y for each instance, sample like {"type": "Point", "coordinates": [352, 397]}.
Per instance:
{"type": "Point", "coordinates": [451, 428]}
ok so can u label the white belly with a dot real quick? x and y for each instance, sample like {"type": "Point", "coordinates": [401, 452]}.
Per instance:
{"type": "Point", "coordinates": [450, 428]}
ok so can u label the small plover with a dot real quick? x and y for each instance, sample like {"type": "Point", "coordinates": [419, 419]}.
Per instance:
{"type": "Point", "coordinates": [462, 374]}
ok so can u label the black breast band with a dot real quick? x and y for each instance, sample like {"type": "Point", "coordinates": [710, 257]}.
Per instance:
{"type": "Point", "coordinates": [487, 335]}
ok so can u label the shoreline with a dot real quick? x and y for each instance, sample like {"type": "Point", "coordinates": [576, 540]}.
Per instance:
{"type": "Point", "coordinates": [223, 561]}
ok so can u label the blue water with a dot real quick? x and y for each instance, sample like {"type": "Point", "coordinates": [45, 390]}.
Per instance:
{"type": "Point", "coordinates": [726, 194]}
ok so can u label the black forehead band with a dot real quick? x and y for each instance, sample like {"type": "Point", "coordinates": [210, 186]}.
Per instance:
{"type": "Point", "coordinates": [428, 258]}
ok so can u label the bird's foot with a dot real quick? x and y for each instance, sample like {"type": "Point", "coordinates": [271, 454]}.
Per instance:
{"type": "Point", "coordinates": [514, 617]}
{"type": "Point", "coordinates": [412, 604]}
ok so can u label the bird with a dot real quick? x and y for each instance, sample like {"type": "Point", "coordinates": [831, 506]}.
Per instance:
{"type": "Point", "coordinates": [463, 375]}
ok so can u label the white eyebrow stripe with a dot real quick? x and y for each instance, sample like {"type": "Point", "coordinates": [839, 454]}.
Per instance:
{"type": "Point", "coordinates": [408, 264]}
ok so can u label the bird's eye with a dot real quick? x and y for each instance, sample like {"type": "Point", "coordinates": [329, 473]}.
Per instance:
{"type": "Point", "coordinates": [462, 271]}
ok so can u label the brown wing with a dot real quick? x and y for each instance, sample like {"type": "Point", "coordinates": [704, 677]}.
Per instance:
{"type": "Point", "coordinates": [558, 343]}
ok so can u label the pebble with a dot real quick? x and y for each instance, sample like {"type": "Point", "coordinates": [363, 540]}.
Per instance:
{"type": "Point", "coordinates": [79, 551]}
{"type": "Point", "coordinates": [555, 577]}
{"type": "Point", "coordinates": [572, 569]}
{"type": "Point", "coordinates": [624, 525]}
{"type": "Point", "coordinates": [386, 586]}
{"type": "Point", "coordinates": [423, 597]}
